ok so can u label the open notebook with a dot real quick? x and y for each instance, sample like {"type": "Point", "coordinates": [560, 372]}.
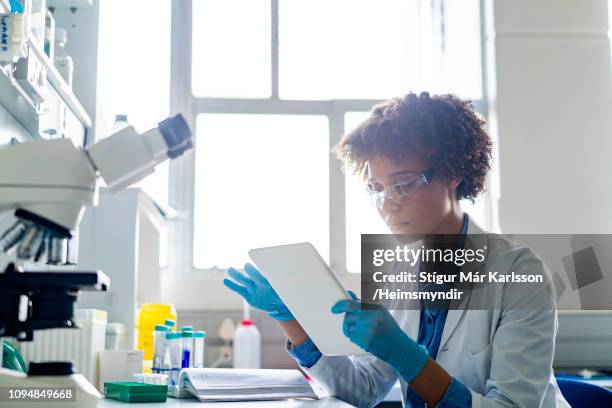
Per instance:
{"type": "Point", "coordinates": [230, 384]}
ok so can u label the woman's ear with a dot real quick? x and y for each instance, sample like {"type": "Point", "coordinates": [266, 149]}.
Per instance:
{"type": "Point", "coordinates": [454, 183]}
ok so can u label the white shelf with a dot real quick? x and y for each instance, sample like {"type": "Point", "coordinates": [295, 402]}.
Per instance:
{"type": "Point", "coordinates": [69, 3]}
{"type": "Point", "coordinates": [16, 102]}
{"type": "Point", "coordinates": [19, 105]}
{"type": "Point", "coordinates": [58, 83]}
{"type": "Point", "coordinates": [54, 77]}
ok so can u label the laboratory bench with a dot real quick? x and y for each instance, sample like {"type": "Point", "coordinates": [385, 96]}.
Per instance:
{"type": "Point", "coordinates": [327, 402]}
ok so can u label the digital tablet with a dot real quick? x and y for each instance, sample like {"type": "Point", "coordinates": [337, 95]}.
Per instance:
{"type": "Point", "coordinates": [309, 288]}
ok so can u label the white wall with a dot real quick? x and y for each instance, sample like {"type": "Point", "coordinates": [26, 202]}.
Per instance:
{"type": "Point", "coordinates": [551, 111]}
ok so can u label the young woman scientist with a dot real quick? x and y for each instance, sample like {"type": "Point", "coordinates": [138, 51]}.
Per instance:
{"type": "Point", "coordinates": [420, 155]}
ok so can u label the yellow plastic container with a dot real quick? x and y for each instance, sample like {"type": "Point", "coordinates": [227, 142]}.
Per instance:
{"type": "Point", "coordinates": [150, 315]}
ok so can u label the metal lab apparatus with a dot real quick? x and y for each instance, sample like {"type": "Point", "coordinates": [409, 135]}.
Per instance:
{"type": "Point", "coordinates": [124, 236]}
{"type": "Point", "coordinates": [78, 345]}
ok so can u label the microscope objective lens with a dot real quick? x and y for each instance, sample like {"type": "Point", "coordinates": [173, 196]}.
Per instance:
{"type": "Point", "coordinates": [41, 252]}
{"type": "Point", "coordinates": [12, 236]}
{"type": "Point", "coordinates": [57, 250]}
{"type": "Point", "coordinates": [30, 242]}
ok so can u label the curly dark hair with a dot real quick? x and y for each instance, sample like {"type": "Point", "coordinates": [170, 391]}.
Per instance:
{"type": "Point", "coordinates": [444, 130]}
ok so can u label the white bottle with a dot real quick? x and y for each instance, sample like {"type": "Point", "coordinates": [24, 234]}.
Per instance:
{"type": "Point", "coordinates": [247, 346]}
{"type": "Point", "coordinates": [63, 61]}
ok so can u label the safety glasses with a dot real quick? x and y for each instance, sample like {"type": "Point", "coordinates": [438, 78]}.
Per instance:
{"type": "Point", "coordinates": [406, 190]}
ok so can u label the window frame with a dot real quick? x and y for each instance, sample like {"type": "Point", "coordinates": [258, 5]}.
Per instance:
{"type": "Point", "coordinates": [182, 172]}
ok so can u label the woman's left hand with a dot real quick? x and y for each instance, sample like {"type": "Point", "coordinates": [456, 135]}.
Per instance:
{"type": "Point", "coordinates": [372, 328]}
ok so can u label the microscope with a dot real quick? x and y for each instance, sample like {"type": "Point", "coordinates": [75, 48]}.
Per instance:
{"type": "Point", "coordinates": [48, 184]}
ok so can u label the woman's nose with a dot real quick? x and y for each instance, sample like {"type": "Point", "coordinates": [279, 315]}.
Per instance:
{"type": "Point", "coordinates": [389, 206]}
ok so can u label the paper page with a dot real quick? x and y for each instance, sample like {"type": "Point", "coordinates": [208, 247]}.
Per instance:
{"type": "Point", "coordinates": [227, 384]}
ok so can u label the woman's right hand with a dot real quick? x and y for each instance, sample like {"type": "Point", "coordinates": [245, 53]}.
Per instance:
{"type": "Point", "coordinates": [258, 292]}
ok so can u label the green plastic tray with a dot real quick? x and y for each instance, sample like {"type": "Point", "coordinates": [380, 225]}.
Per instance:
{"type": "Point", "coordinates": [135, 392]}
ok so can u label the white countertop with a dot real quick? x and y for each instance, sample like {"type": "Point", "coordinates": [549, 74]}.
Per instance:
{"type": "Point", "coordinates": [326, 402]}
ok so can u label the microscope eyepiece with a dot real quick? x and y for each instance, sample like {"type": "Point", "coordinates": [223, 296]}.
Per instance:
{"type": "Point", "coordinates": [176, 134]}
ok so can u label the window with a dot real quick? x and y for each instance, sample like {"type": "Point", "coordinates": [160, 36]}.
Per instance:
{"type": "Point", "coordinates": [461, 65]}
{"type": "Point", "coordinates": [231, 48]}
{"type": "Point", "coordinates": [261, 180]}
{"type": "Point", "coordinates": [134, 71]}
{"type": "Point", "coordinates": [375, 49]}
{"type": "Point", "coordinates": [272, 78]}
{"type": "Point", "coordinates": [361, 216]}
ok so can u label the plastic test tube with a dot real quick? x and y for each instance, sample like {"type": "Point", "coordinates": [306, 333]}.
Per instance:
{"type": "Point", "coordinates": [170, 324]}
{"type": "Point", "coordinates": [147, 378]}
{"type": "Point", "coordinates": [198, 352]}
{"type": "Point", "coordinates": [187, 353]}
{"type": "Point", "coordinates": [159, 347]}
{"type": "Point", "coordinates": [173, 340]}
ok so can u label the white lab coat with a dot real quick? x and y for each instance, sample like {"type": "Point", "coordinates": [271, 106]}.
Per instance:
{"type": "Point", "coordinates": [503, 356]}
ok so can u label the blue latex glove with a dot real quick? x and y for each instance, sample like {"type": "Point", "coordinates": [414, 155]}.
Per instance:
{"type": "Point", "coordinates": [377, 332]}
{"type": "Point", "coordinates": [256, 290]}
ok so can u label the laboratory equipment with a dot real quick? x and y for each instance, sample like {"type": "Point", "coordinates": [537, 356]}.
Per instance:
{"type": "Point", "coordinates": [151, 315]}
{"type": "Point", "coordinates": [79, 345]}
{"type": "Point", "coordinates": [48, 183]}
{"type": "Point", "coordinates": [62, 61]}
{"type": "Point", "coordinates": [187, 345]}
{"type": "Point", "coordinates": [124, 236]}
{"type": "Point", "coordinates": [198, 352]}
{"type": "Point", "coordinates": [247, 346]}
{"type": "Point", "coordinates": [29, 70]}
{"type": "Point", "coordinates": [170, 324]}
{"type": "Point", "coordinates": [32, 301]}
{"type": "Point", "coordinates": [62, 112]}
{"type": "Point", "coordinates": [159, 347]}
{"type": "Point", "coordinates": [14, 38]}
{"type": "Point", "coordinates": [136, 391]}
{"type": "Point", "coordinates": [119, 365]}
{"type": "Point", "coordinates": [121, 122]}
{"type": "Point", "coordinates": [49, 35]}
{"type": "Point", "coordinates": [173, 357]}
{"type": "Point", "coordinates": [41, 300]}
{"type": "Point", "coordinates": [151, 378]}
{"type": "Point", "coordinates": [32, 76]}
{"type": "Point", "coordinates": [79, 393]}
{"type": "Point", "coordinates": [116, 336]}
{"type": "Point", "coordinates": [12, 358]}
{"type": "Point", "coordinates": [37, 10]}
